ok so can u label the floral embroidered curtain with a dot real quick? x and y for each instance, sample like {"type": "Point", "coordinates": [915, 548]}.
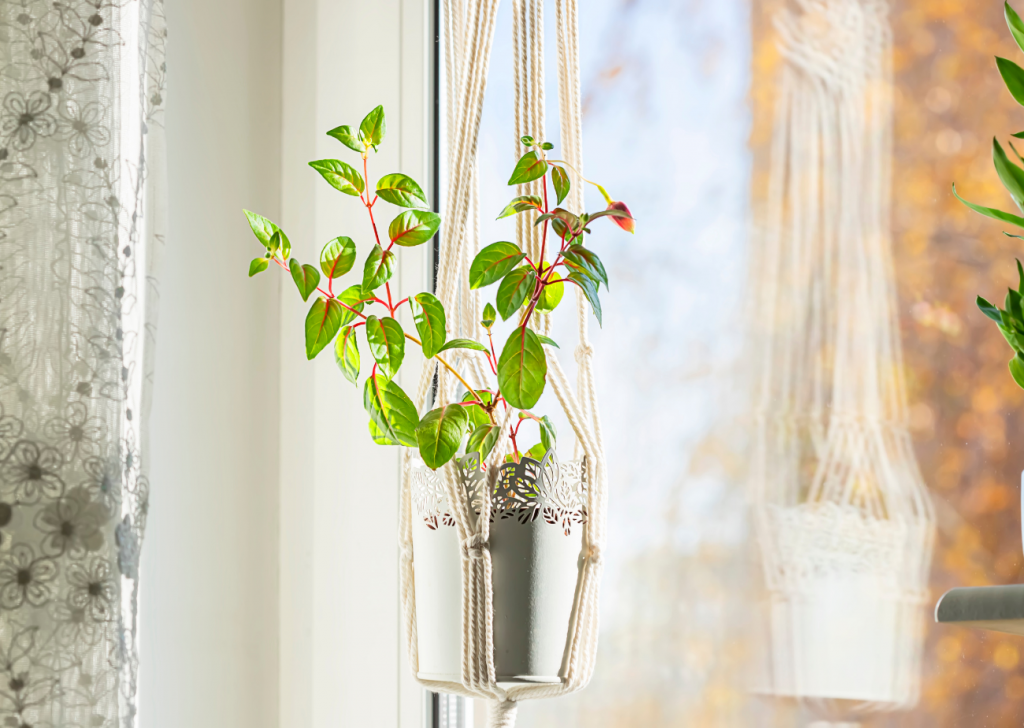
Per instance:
{"type": "Point", "coordinates": [81, 147]}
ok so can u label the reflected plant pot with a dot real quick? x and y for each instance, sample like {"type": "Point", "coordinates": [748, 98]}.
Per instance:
{"type": "Point", "coordinates": [538, 514]}
{"type": "Point", "coordinates": [846, 611]}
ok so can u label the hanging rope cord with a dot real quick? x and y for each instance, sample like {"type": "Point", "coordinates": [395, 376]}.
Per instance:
{"type": "Point", "coordinates": [830, 382]}
{"type": "Point", "coordinates": [469, 32]}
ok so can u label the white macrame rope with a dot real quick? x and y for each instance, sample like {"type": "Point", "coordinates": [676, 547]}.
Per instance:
{"type": "Point", "coordinates": [830, 389]}
{"type": "Point", "coordinates": [469, 29]}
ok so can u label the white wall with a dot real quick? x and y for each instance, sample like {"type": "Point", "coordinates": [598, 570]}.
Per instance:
{"type": "Point", "coordinates": [209, 624]}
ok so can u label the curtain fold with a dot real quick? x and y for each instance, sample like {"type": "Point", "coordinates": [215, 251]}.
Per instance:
{"type": "Point", "coordinates": [81, 150]}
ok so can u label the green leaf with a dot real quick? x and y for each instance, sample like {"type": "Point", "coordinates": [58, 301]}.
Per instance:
{"type": "Point", "coordinates": [1010, 174]}
{"type": "Point", "coordinates": [387, 343]}
{"type": "Point", "coordinates": [992, 212]}
{"type": "Point", "coordinates": [428, 313]}
{"type": "Point", "coordinates": [322, 323]}
{"type": "Point", "coordinates": [1017, 370]}
{"type": "Point", "coordinates": [346, 354]}
{"type": "Point", "coordinates": [440, 433]}
{"type": "Point", "coordinates": [488, 316]}
{"type": "Point", "coordinates": [462, 344]}
{"type": "Point", "coordinates": [589, 288]}
{"type": "Point", "coordinates": [560, 180]}
{"type": "Point", "coordinates": [548, 434]}
{"type": "Point", "coordinates": [1013, 77]}
{"type": "Point", "coordinates": [529, 167]}
{"type": "Point", "coordinates": [536, 452]}
{"type": "Point", "coordinates": [258, 265]}
{"type": "Point", "coordinates": [549, 341]}
{"type": "Point", "coordinates": [353, 298]}
{"type": "Point", "coordinates": [521, 204]}
{"type": "Point", "coordinates": [306, 278]}
{"type": "Point", "coordinates": [493, 263]}
{"type": "Point", "coordinates": [393, 416]}
{"type": "Point", "coordinates": [262, 228]}
{"type": "Point", "coordinates": [586, 260]}
{"type": "Point", "coordinates": [1013, 304]}
{"type": "Point", "coordinates": [279, 243]}
{"type": "Point", "coordinates": [377, 270]}
{"type": "Point", "coordinates": [527, 140]}
{"type": "Point", "coordinates": [1020, 277]}
{"type": "Point", "coordinates": [372, 128]}
{"type": "Point", "coordinates": [551, 294]}
{"type": "Point", "coordinates": [347, 136]}
{"type": "Point", "coordinates": [482, 439]}
{"type": "Point", "coordinates": [401, 190]}
{"type": "Point", "coordinates": [340, 176]}
{"type": "Point", "coordinates": [477, 414]}
{"type": "Point", "coordinates": [1016, 26]}
{"type": "Point", "coordinates": [522, 369]}
{"type": "Point", "coordinates": [515, 288]}
{"type": "Point", "coordinates": [413, 227]}
{"type": "Point", "coordinates": [547, 146]}
{"type": "Point", "coordinates": [1018, 135]}
{"type": "Point", "coordinates": [338, 257]}
{"type": "Point", "coordinates": [989, 310]}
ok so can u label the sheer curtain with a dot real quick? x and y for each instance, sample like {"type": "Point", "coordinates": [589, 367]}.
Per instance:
{"type": "Point", "coordinates": [81, 100]}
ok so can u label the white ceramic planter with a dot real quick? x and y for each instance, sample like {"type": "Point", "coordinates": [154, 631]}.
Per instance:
{"type": "Point", "coordinates": [537, 515]}
{"type": "Point", "coordinates": [846, 619]}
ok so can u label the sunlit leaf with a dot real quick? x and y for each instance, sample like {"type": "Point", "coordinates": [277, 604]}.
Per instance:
{"type": "Point", "coordinates": [522, 369]}
{"type": "Point", "coordinates": [372, 128]}
{"type": "Point", "coordinates": [338, 257]}
{"type": "Point", "coordinates": [493, 263]}
{"type": "Point", "coordinates": [401, 190]}
{"type": "Point", "coordinates": [377, 270]}
{"type": "Point", "coordinates": [306, 278]}
{"type": "Point", "coordinates": [440, 433]}
{"type": "Point", "coordinates": [560, 180]}
{"type": "Point", "coordinates": [428, 314]}
{"type": "Point", "coordinates": [515, 288]}
{"type": "Point", "coordinates": [413, 227]}
{"type": "Point", "coordinates": [529, 167]}
{"type": "Point", "coordinates": [393, 416]}
{"type": "Point", "coordinates": [346, 354]}
{"type": "Point", "coordinates": [322, 323]}
{"type": "Point", "coordinates": [340, 176]}
{"type": "Point", "coordinates": [347, 136]}
{"type": "Point", "coordinates": [258, 265]}
{"type": "Point", "coordinates": [387, 343]}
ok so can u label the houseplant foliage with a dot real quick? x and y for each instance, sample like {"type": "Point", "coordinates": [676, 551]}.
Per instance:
{"type": "Point", "coordinates": [365, 310]}
{"type": "Point", "coordinates": [1009, 319]}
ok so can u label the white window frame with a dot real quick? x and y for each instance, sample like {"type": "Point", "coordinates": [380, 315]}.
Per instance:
{"type": "Point", "coordinates": [342, 654]}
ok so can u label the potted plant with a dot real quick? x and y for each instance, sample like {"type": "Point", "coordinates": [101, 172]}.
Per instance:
{"type": "Point", "coordinates": [536, 504]}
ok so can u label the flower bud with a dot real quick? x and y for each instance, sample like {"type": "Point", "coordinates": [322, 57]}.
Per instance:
{"type": "Point", "coordinates": [626, 223]}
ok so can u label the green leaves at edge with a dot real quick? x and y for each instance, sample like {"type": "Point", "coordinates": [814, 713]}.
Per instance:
{"type": "Point", "coordinates": [342, 177]}
{"type": "Point", "coordinates": [346, 354]}
{"type": "Point", "coordinates": [1010, 174]}
{"type": "Point", "coordinates": [387, 343]}
{"type": "Point", "coordinates": [264, 231]}
{"type": "Point", "coordinates": [992, 212]}
{"type": "Point", "coordinates": [1013, 77]}
{"type": "Point", "coordinates": [587, 261]}
{"type": "Point", "coordinates": [306, 278]}
{"type": "Point", "coordinates": [1017, 369]}
{"type": "Point", "coordinates": [393, 416]}
{"type": "Point", "coordinates": [493, 263]}
{"type": "Point", "coordinates": [440, 433]}
{"type": "Point", "coordinates": [521, 204]}
{"type": "Point", "coordinates": [1013, 21]}
{"type": "Point", "coordinates": [529, 167]}
{"type": "Point", "coordinates": [413, 227]}
{"type": "Point", "coordinates": [522, 369]}
{"type": "Point", "coordinates": [428, 314]}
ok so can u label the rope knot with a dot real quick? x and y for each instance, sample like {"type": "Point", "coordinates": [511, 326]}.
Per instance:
{"type": "Point", "coordinates": [595, 555]}
{"type": "Point", "coordinates": [406, 552]}
{"type": "Point", "coordinates": [584, 351]}
{"type": "Point", "coordinates": [474, 546]}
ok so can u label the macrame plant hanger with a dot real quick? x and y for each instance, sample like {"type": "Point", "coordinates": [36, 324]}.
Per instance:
{"type": "Point", "coordinates": [844, 522]}
{"type": "Point", "coordinates": [468, 32]}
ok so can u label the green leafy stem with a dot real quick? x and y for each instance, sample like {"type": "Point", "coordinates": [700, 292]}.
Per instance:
{"type": "Point", "coordinates": [525, 287]}
{"type": "Point", "coordinates": [1011, 319]}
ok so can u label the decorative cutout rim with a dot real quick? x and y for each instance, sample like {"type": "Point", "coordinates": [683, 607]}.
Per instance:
{"type": "Point", "coordinates": [526, 491]}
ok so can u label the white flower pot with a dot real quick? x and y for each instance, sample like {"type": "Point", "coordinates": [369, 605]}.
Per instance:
{"type": "Point", "coordinates": [537, 515]}
{"type": "Point", "coordinates": [846, 616]}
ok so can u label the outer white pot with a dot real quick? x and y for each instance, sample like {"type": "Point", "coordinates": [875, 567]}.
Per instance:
{"type": "Point", "coordinates": [846, 612]}
{"type": "Point", "coordinates": [537, 511]}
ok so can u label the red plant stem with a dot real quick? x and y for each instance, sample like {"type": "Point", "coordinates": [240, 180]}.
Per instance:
{"type": "Point", "coordinates": [493, 358]}
{"type": "Point", "coordinates": [515, 447]}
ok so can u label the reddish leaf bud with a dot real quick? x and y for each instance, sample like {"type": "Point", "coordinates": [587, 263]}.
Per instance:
{"type": "Point", "coordinates": [626, 223]}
